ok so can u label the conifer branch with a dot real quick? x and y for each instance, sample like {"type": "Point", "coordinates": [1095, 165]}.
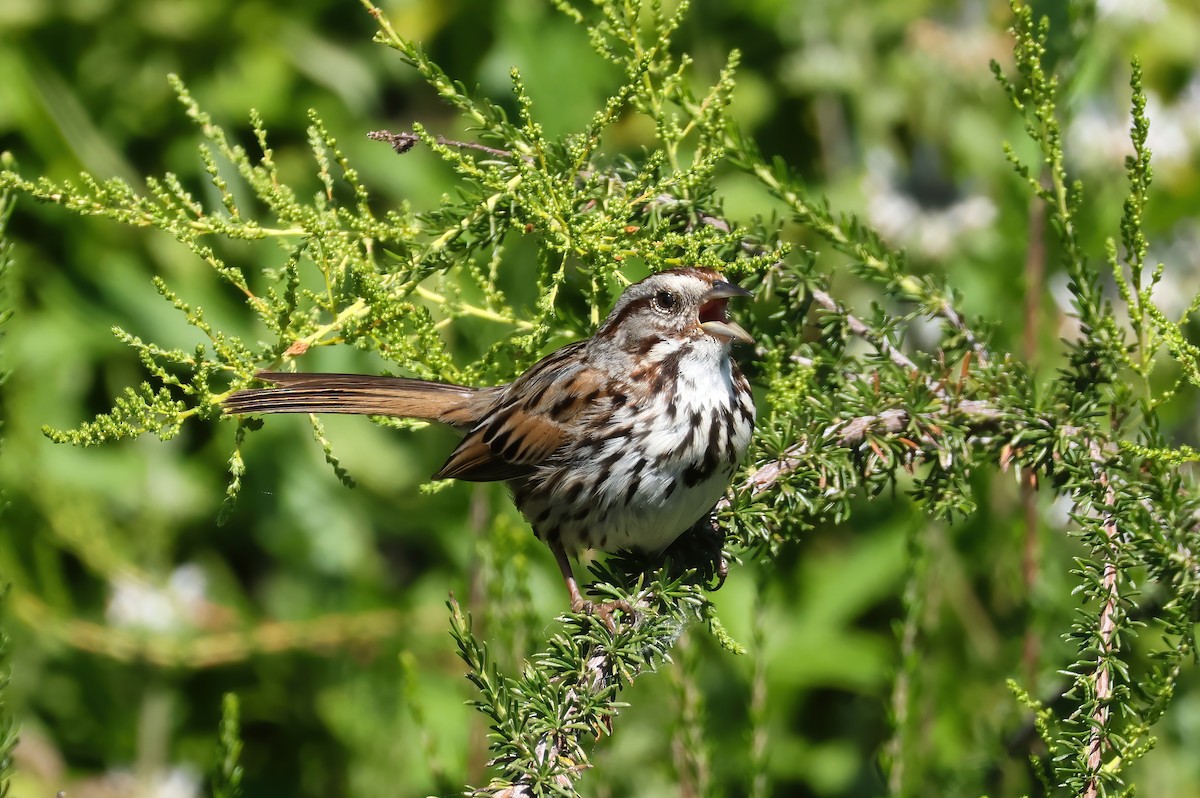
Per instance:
{"type": "Point", "coordinates": [1102, 677]}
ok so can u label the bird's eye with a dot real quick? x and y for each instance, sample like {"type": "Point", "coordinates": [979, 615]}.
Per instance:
{"type": "Point", "coordinates": [665, 300]}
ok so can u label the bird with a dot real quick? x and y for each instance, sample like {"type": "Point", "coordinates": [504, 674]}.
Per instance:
{"type": "Point", "coordinates": [623, 440]}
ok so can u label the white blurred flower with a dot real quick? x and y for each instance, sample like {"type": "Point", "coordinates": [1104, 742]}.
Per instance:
{"type": "Point", "coordinates": [1057, 514]}
{"type": "Point", "coordinates": [1180, 256]}
{"type": "Point", "coordinates": [136, 603]}
{"type": "Point", "coordinates": [1098, 138]}
{"type": "Point", "coordinates": [1131, 11]}
{"type": "Point", "coordinates": [930, 229]}
{"type": "Point", "coordinates": [1180, 281]}
{"type": "Point", "coordinates": [176, 782]}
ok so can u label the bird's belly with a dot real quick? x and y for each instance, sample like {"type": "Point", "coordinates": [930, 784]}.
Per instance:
{"type": "Point", "coordinates": [655, 519]}
{"type": "Point", "coordinates": [637, 492]}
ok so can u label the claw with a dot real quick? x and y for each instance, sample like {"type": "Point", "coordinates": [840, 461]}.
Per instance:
{"type": "Point", "coordinates": [604, 610]}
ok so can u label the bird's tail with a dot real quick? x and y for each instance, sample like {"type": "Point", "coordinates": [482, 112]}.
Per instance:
{"type": "Point", "coordinates": [359, 394]}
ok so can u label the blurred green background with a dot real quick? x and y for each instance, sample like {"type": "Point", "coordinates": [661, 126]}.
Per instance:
{"type": "Point", "coordinates": [133, 611]}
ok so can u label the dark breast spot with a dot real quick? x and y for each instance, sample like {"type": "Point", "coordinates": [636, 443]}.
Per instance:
{"type": "Point", "coordinates": [668, 369]}
{"type": "Point", "coordinates": [602, 477]}
{"type": "Point", "coordinates": [631, 491]}
{"type": "Point", "coordinates": [746, 407]}
{"type": "Point", "coordinates": [698, 472]}
{"type": "Point", "coordinates": [730, 431]}
{"type": "Point", "coordinates": [712, 454]}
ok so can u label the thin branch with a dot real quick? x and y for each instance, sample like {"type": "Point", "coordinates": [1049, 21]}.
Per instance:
{"type": "Point", "coordinates": [947, 312]}
{"type": "Point", "coordinates": [403, 142]}
{"type": "Point", "coordinates": [556, 753]}
{"type": "Point", "coordinates": [400, 142]}
{"type": "Point", "coordinates": [852, 432]}
{"type": "Point", "coordinates": [1102, 676]}
{"type": "Point", "coordinates": [851, 242]}
{"type": "Point", "coordinates": [859, 328]}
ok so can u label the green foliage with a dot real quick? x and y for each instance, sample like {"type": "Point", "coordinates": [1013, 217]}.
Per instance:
{"type": "Point", "coordinates": [8, 721]}
{"type": "Point", "coordinates": [1132, 509]}
{"type": "Point", "coordinates": [908, 403]}
{"type": "Point", "coordinates": [227, 780]}
{"type": "Point", "coordinates": [567, 696]}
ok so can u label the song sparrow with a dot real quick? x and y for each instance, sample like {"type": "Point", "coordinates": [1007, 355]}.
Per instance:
{"type": "Point", "coordinates": [623, 440]}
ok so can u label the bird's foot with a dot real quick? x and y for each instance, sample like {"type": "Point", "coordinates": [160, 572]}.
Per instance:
{"type": "Point", "coordinates": [604, 610]}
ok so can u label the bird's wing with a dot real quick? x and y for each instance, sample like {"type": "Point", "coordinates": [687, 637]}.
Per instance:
{"type": "Point", "coordinates": [535, 417]}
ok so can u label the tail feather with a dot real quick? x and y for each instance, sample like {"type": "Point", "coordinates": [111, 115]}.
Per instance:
{"type": "Point", "coordinates": [360, 394]}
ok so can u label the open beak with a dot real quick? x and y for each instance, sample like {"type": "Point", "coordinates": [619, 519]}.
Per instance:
{"type": "Point", "coordinates": [714, 316]}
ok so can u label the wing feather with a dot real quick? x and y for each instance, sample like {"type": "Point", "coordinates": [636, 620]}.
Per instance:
{"type": "Point", "coordinates": [538, 415]}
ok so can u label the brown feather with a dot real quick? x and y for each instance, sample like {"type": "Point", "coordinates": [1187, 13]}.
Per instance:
{"type": "Point", "coordinates": [508, 445]}
{"type": "Point", "coordinates": [456, 405]}
{"type": "Point", "coordinates": [474, 461]}
{"type": "Point", "coordinates": [546, 409]}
